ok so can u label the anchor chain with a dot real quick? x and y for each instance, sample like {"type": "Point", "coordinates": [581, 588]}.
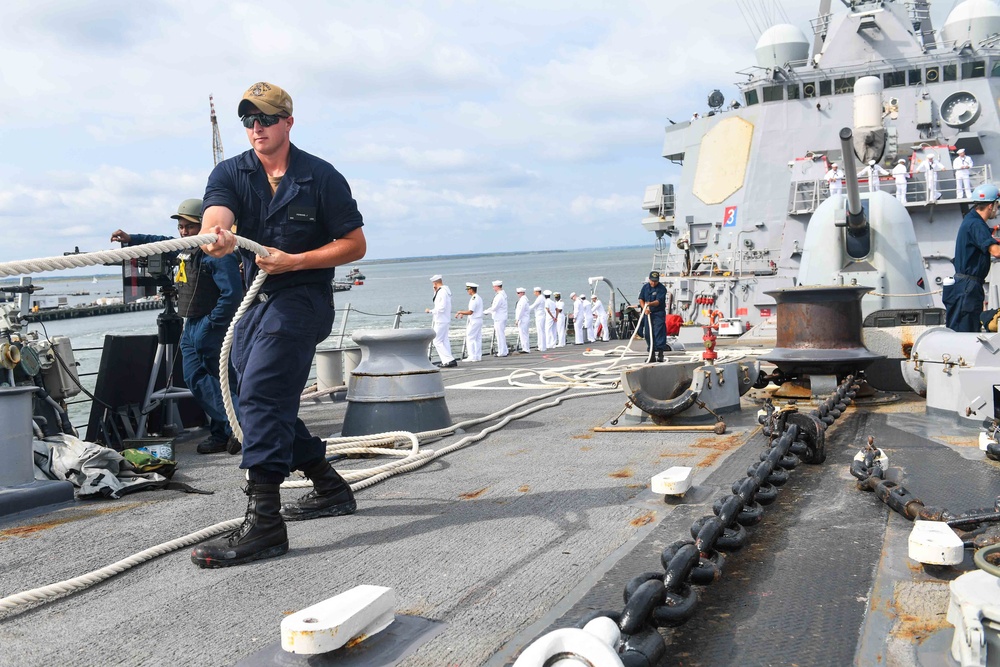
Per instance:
{"type": "Point", "coordinates": [666, 599]}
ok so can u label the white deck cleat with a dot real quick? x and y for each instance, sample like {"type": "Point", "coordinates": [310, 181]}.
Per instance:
{"type": "Point", "coordinates": [974, 610]}
{"type": "Point", "coordinates": [673, 481]}
{"type": "Point", "coordinates": [935, 543]}
{"type": "Point", "coordinates": [881, 459]}
{"type": "Point", "coordinates": [985, 440]}
{"type": "Point", "coordinates": [349, 617]}
{"type": "Point", "coordinates": [593, 646]}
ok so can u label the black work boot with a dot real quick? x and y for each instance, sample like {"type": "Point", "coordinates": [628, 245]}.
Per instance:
{"type": "Point", "coordinates": [212, 445]}
{"type": "Point", "coordinates": [659, 356]}
{"type": "Point", "coordinates": [262, 534]}
{"type": "Point", "coordinates": [330, 495]}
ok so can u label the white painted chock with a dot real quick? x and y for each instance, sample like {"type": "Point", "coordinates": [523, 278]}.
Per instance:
{"type": "Point", "coordinates": [594, 646]}
{"type": "Point", "coordinates": [974, 610]}
{"type": "Point", "coordinates": [935, 543]}
{"type": "Point", "coordinates": [673, 481]}
{"type": "Point", "coordinates": [352, 616]}
{"type": "Point", "coordinates": [985, 440]}
{"type": "Point", "coordinates": [881, 459]}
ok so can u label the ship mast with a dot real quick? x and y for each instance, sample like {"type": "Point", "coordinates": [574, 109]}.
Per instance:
{"type": "Point", "coordinates": [217, 155]}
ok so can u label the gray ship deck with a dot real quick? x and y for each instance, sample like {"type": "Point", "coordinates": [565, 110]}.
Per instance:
{"type": "Point", "coordinates": [523, 531]}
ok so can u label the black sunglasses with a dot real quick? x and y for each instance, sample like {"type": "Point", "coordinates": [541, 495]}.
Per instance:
{"type": "Point", "coordinates": [265, 120]}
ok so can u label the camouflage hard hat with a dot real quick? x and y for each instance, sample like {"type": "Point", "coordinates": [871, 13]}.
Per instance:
{"type": "Point", "coordinates": [268, 98]}
{"type": "Point", "coordinates": [190, 210]}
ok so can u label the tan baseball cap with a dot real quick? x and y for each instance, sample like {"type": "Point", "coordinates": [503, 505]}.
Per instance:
{"type": "Point", "coordinates": [267, 97]}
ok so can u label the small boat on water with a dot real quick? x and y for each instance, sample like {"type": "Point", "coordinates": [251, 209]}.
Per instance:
{"type": "Point", "coordinates": [354, 275]}
{"type": "Point", "coordinates": [341, 287]}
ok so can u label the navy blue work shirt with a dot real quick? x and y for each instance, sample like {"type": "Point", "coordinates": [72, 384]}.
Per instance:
{"type": "Point", "coordinates": [972, 246]}
{"type": "Point", "coordinates": [659, 293]}
{"type": "Point", "coordinates": [312, 206]}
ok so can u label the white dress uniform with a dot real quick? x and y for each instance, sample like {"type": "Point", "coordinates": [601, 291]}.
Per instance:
{"type": "Point", "coordinates": [931, 167]}
{"type": "Point", "coordinates": [474, 329]}
{"type": "Point", "coordinates": [560, 323]}
{"type": "Point", "coordinates": [962, 165]}
{"type": "Point", "coordinates": [551, 317]}
{"type": "Point", "coordinates": [579, 326]}
{"type": "Point", "coordinates": [835, 178]}
{"type": "Point", "coordinates": [522, 312]}
{"type": "Point", "coordinates": [588, 319]}
{"type": "Point", "coordinates": [901, 173]}
{"type": "Point", "coordinates": [872, 172]}
{"type": "Point", "coordinates": [538, 307]}
{"type": "Point", "coordinates": [601, 315]}
{"type": "Point", "coordinates": [498, 311]}
{"type": "Point", "coordinates": [441, 323]}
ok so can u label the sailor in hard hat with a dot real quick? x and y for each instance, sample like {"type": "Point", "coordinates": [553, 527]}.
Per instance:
{"type": "Point", "coordinates": [579, 328]}
{"type": "Point", "coordinates": [975, 248]}
{"type": "Point", "coordinates": [474, 327]}
{"type": "Point", "coordinates": [538, 308]}
{"type": "Point", "coordinates": [522, 314]}
{"type": "Point", "coordinates": [441, 322]}
{"type": "Point", "coordinates": [551, 317]}
{"type": "Point", "coordinates": [560, 319]}
{"type": "Point", "coordinates": [209, 290]}
{"type": "Point", "coordinates": [600, 318]}
{"type": "Point", "coordinates": [962, 165]}
{"type": "Point", "coordinates": [873, 172]}
{"type": "Point", "coordinates": [835, 179]}
{"type": "Point", "coordinates": [498, 311]}
{"type": "Point", "coordinates": [586, 318]}
{"type": "Point", "coordinates": [931, 167]}
{"type": "Point", "coordinates": [900, 173]}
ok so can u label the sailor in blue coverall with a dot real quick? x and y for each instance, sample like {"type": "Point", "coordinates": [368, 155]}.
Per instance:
{"type": "Point", "coordinates": [209, 291]}
{"type": "Point", "coordinates": [974, 248]}
{"type": "Point", "coordinates": [653, 300]}
{"type": "Point", "coordinates": [302, 210]}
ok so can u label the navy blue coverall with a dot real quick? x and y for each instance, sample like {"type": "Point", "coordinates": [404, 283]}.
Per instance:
{"type": "Point", "coordinates": [275, 341]}
{"type": "Point", "coordinates": [201, 340]}
{"type": "Point", "coordinates": [963, 301]}
{"type": "Point", "coordinates": [657, 314]}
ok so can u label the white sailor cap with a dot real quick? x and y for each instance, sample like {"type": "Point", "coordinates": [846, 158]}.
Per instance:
{"type": "Point", "coordinates": [498, 283]}
{"type": "Point", "coordinates": [468, 285]}
{"type": "Point", "coordinates": [902, 161]}
{"type": "Point", "coordinates": [436, 277]}
{"type": "Point", "coordinates": [871, 163]}
{"type": "Point", "coordinates": [547, 293]}
{"type": "Point", "coordinates": [593, 296]}
{"type": "Point", "coordinates": [537, 289]}
{"type": "Point", "coordinates": [833, 164]}
{"type": "Point", "coordinates": [520, 290]}
{"type": "Point", "coordinates": [961, 150]}
{"type": "Point", "coordinates": [572, 294]}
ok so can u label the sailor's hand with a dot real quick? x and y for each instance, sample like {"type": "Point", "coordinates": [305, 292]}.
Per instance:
{"type": "Point", "coordinates": [278, 262]}
{"type": "Point", "coordinates": [225, 244]}
{"type": "Point", "coordinates": [427, 310]}
{"type": "Point", "coordinates": [458, 316]}
{"type": "Point", "coordinates": [121, 237]}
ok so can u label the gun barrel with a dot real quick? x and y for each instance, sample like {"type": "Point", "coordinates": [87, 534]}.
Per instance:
{"type": "Point", "coordinates": [856, 222]}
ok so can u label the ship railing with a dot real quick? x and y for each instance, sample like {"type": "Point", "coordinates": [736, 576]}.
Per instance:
{"type": "Point", "coordinates": [806, 195]}
{"type": "Point", "coordinates": [821, 24]}
{"type": "Point", "coordinates": [662, 207]}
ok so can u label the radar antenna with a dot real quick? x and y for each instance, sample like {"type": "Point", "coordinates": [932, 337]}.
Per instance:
{"type": "Point", "coordinates": [217, 154]}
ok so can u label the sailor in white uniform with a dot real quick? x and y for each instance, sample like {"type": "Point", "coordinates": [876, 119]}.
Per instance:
{"type": "Point", "coordinates": [538, 308]}
{"type": "Point", "coordinates": [474, 327]}
{"type": "Point", "coordinates": [962, 165]}
{"type": "Point", "coordinates": [931, 167]}
{"type": "Point", "coordinates": [441, 322]}
{"type": "Point", "coordinates": [578, 326]}
{"type": "Point", "coordinates": [498, 311]}
{"type": "Point", "coordinates": [560, 319]}
{"type": "Point", "coordinates": [601, 316]}
{"type": "Point", "coordinates": [551, 317]}
{"type": "Point", "coordinates": [587, 319]}
{"type": "Point", "coordinates": [873, 172]}
{"type": "Point", "coordinates": [522, 318]}
{"type": "Point", "coordinates": [835, 179]}
{"type": "Point", "coordinates": [901, 173]}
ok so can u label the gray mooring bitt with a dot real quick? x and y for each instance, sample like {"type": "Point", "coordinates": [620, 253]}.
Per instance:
{"type": "Point", "coordinates": [19, 491]}
{"type": "Point", "coordinates": [395, 387]}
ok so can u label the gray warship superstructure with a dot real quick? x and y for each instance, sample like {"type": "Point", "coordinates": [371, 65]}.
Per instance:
{"type": "Point", "coordinates": [754, 171]}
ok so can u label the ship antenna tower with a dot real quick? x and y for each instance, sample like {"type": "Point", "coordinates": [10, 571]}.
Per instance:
{"type": "Point", "coordinates": [217, 154]}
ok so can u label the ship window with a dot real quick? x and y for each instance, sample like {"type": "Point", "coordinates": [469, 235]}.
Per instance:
{"type": "Point", "coordinates": [933, 74]}
{"type": "Point", "coordinates": [996, 69]}
{"type": "Point", "coordinates": [774, 93]}
{"type": "Point", "coordinates": [751, 97]}
{"type": "Point", "coordinates": [975, 69]}
{"type": "Point", "coordinates": [894, 79]}
{"type": "Point", "coordinates": [793, 91]}
{"type": "Point", "coordinates": [949, 72]}
{"type": "Point", "coordinates": [809, 89]}
{"type": "Point", "coordinates": [915, 78]}
{"type": "Point", "coordinates": [826, 87]}
{"type": "Point", "coordinates": [843, 86]}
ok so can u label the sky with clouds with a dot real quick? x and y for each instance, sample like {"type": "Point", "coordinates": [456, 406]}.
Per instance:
{"type": "Point", "coordinates": [462, 127]}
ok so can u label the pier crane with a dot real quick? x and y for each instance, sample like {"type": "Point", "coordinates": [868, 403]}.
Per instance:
{"type": "Point", "coordinates": [217, 155]}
